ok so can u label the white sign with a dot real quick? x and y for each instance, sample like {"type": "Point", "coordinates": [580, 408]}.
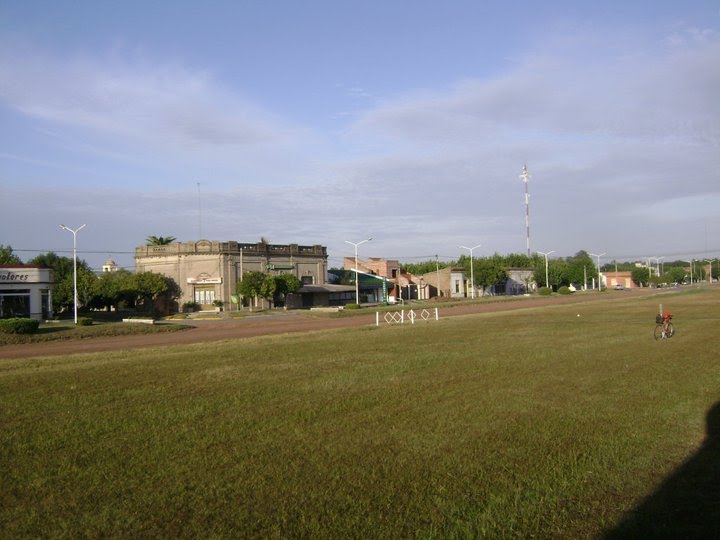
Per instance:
{"type": "Point", "coordinates": [204, 281]}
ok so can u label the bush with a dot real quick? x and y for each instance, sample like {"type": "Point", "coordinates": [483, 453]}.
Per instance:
{"type": "Point", "coordinates": [352, 306]}
{"type": "Point", "coordinates": [84, 321]}
{"type": "Point", "coordinates": [19, 325]}
{"type": "Point", "coordinates": [544, 291]}
{"type": "Point", "coordinates": [190, 307]}
{"type": "Point", "coordinates": [564, 290]}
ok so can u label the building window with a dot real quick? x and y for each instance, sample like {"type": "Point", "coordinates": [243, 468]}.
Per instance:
{"type": "Point", "coordinates": [307, 280]}
{"type": "Point", "coordinates": [15, 303]}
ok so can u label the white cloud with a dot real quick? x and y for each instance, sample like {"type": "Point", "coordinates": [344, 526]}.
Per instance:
{"type": "Point", "coordinates": [162, 104]}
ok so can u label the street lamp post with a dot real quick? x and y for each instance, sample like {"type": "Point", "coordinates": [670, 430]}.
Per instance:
{"type": "Point", "coordinates": [472, 270]}
{"type": "Point", "coordinates": [547, 277]}
{"type": "Point", "coordinates": [75, 294]}
{"type": "Point", "coordinates": [598, 260]}
{"type": "Point", "coordinates": [357, 273]}
{"type": "Point", "coordinates": [690, 262]}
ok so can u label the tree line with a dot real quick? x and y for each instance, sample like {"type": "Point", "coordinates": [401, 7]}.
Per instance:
{"type": "Point", "coordinates": [578, 270]}
{"type": "Point", "coordinates": [492, 271]}
{"type": "Point", "coordinates": [119, 290]}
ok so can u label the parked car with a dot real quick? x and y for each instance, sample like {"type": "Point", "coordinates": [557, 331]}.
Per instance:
{"type": "Point", "coordinates": [619, 287]}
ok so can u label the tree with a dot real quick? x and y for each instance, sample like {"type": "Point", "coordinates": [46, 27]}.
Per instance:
{"type": "Point", "coordinates": [421, 268]}
{"type": "Point", "coordinates": [580, 268]}
{"type": "Point", "coordinates": [489, 271]}
{"type": "Point", "coordinates": [7, 256]}
{"type": "Point", "coordinates": [111, 289]}
{"type": "Point", "coordinates": [160, 240]}
{"type": "Point", "coordinates": [268, 288]}
{"type": "Point", "coordinates": [640, 276]}
{"type": "Point", "coordinates": [147, 287]}
{"type": "Point", "coordinates": [62, 267]}
{"type": "Point", "coordinates": [286, 284]}
{"type": "Point", "coordinates": [250, 286]}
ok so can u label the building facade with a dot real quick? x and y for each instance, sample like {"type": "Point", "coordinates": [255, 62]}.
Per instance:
{"type": "Point", "coordinates": [25, 291]}
{"type": "Point", "coordinates": [208, 271]}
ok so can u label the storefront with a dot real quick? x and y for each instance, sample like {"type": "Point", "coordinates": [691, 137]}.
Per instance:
{"type": "Point", "coordinates": [25, 291]}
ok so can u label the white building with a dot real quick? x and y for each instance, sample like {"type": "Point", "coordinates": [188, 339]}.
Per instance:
{"type": "Point", "coordinates": [25, 291]}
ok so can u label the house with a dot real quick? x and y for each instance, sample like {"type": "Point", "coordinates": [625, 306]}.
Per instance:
{"type": "Point", "coordinates": [612, 280]}
{"type": "Point", "coordinates": [446, 282]}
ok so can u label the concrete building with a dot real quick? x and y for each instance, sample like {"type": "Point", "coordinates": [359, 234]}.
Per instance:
{"type": "Point", "coordinates": [207, 271]}
{"type": "Point", "coordinates": [618, 279]}
{"type": "Point", "coordinates": [447, 282]}
{"type": "Point", "coordinates": [25, 291]}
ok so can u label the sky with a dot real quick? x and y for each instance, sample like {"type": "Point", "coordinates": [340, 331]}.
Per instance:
{"type": "Point", "coordinates": [330, 121]}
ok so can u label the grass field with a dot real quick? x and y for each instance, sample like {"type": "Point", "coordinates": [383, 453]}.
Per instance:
{"type": "Point", "coordinates": [533, 423]}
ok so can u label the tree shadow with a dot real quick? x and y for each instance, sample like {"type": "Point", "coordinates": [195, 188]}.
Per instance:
{"type": "Point", "coordinates": [687, 503]}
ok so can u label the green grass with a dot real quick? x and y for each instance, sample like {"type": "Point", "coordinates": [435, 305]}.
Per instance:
{"type": "Point", "coordinates": [533, 423]}
{"type": "Point", "coordinates": [60, 331]}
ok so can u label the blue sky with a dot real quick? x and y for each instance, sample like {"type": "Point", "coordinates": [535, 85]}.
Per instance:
{"type": "Point", "coordinates": [318, 122]}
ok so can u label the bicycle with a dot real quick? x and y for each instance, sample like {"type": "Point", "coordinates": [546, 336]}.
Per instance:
{"type": "Point", "coordinates": [664, 329]}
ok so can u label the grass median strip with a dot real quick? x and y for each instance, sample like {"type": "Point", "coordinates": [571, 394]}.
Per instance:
{"type": "Point", "coordinates": [532, 423]}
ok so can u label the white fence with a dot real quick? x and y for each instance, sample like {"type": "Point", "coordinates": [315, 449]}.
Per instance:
{"type": "Point", "coordinates": [410, 316]}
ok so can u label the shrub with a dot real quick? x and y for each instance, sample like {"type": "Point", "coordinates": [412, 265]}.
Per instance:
{"type": "Point", "coordinates": [544, 291]}
{"type": "Point", "coordinates": [189, 307]}
{"type": "Point", "coordinates": [19, 325]}
{"type": "Point", "coordinates": [564, 290]}
{"type": "Point", "coordinates": [84, 321]}
{"type": "Point", "coordinates": [352, 306]}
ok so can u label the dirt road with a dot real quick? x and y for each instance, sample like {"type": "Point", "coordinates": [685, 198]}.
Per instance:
{"type": "Point", "coordinates": [284, 323]}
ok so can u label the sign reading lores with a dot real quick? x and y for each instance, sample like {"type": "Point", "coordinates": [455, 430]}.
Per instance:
{"type": "Point", "coordinates": [24, 275]}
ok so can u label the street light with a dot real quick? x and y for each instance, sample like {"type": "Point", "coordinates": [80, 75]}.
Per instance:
{"type": "Point", "coordinates": [599, 278]}
{"type": "Point", "coordinates": [75, 295]}
{"type": "Point", "coordinates": [547, 279]}
{"type": "Point", "coordinates": [472, 270]}
{"type": "Point", "coordinates": [357, 274]}
{"type": "Point", "coordinates": [691, 270]}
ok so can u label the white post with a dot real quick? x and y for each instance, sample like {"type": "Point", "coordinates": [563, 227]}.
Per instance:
{"type": "Point", "coordinates": [598, 263]}
{"type": "Point", "coordinates": [75, 294]}
{"type": "Point", "coordinates": [357, 275]}
{"type": "Point", "coordinates": [547, 279]}
{"type": "Point", "coordinates": [472, 270]}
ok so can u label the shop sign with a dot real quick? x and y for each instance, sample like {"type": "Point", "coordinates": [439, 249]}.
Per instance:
{"type": "Point", "coordinates": [13, 277]}
{"type": "Point", "coordinates": [203, 281]}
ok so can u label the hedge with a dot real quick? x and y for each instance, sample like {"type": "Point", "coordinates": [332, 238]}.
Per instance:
{"type": "Point", "coordinates": [544, 291]}
{"type": "Point", "coordinates": [19, 325]}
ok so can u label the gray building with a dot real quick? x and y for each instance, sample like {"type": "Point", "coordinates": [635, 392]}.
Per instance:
{"type": "Point", "coordinates": [207, 271]}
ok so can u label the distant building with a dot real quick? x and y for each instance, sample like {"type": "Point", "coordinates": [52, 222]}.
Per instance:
{"type": "Point", "coordinates": [110, 266]}
{"type": "Point", "coordinates": [618, 279]}
{"type": "Point", "coordinates": [446, 282]}
{"type": "Point", "coordinates": [25, 291]}
{"type": "Point", "coordinates": [519, 281]}
{"type": "Point", "coordinates": [207, 271]}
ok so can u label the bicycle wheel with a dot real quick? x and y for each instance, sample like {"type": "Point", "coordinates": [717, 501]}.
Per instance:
{"type": "Point", "coordinates": [670, 330]}
{"type": "Point", "coordinates": [658, 331]}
